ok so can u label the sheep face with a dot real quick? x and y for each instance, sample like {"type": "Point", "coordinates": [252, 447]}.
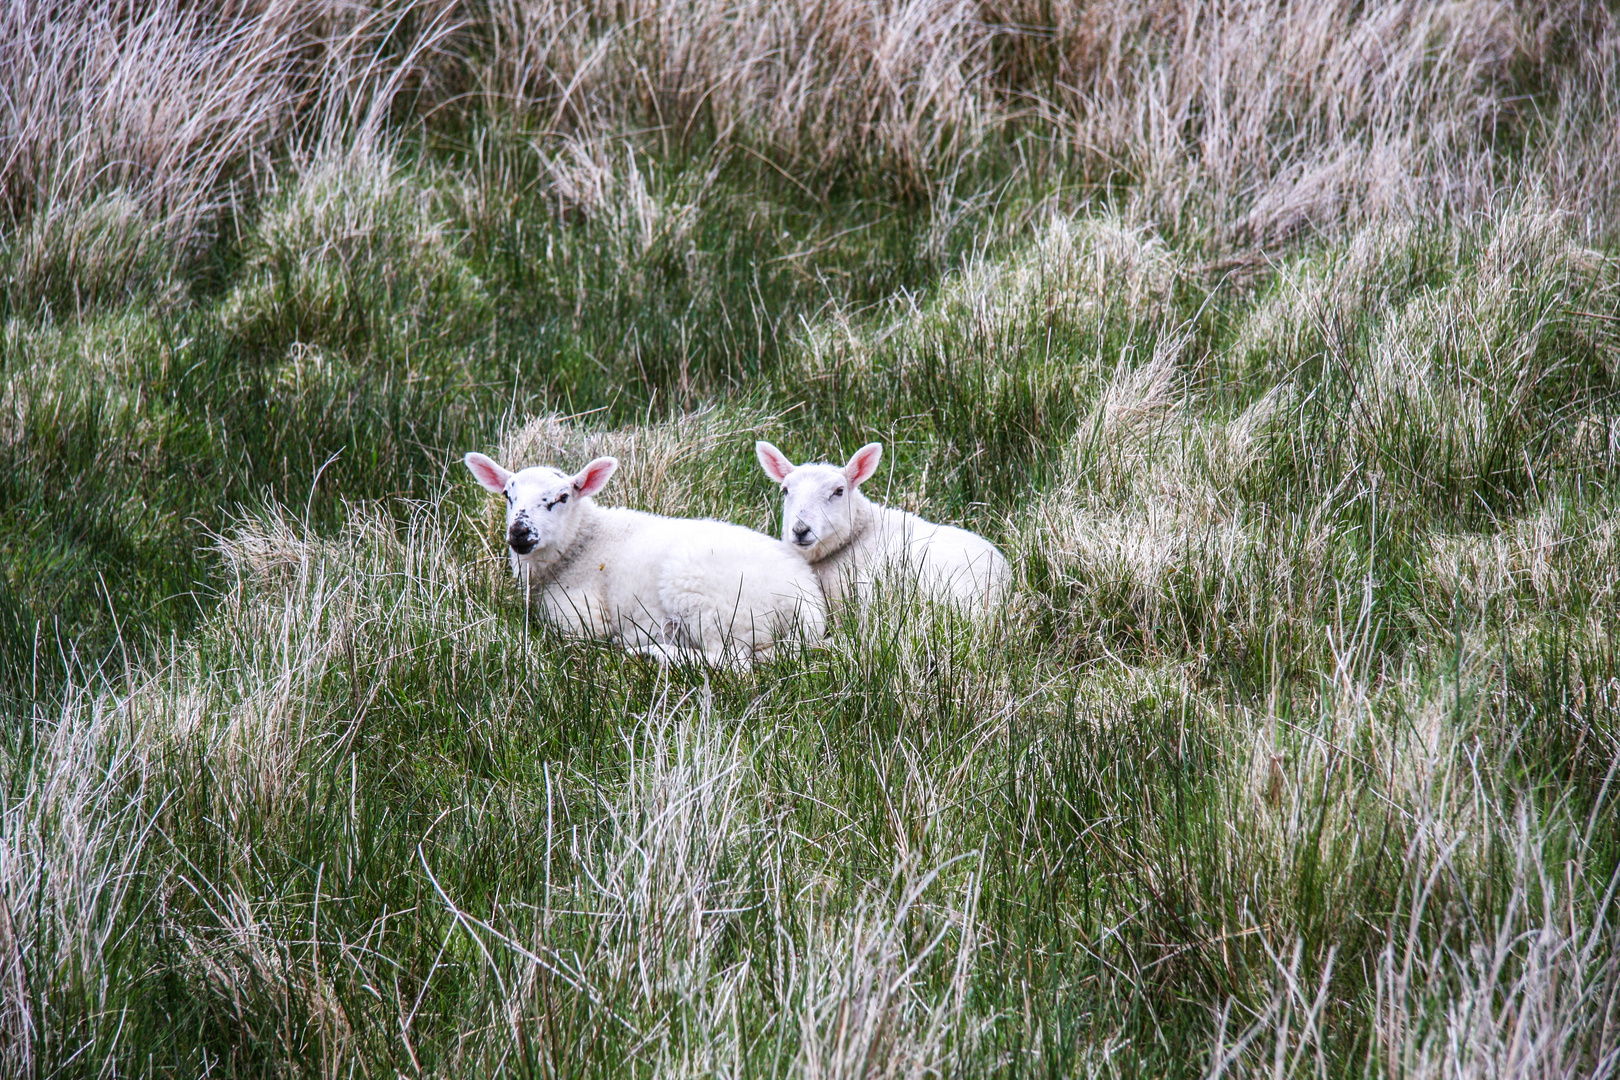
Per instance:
{"type": "Point", "coordinates": [542, 503]}
{"type": "Point", "coordinates": [820, 503]}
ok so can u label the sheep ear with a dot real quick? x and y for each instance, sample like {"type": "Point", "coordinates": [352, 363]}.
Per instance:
{"type": "Point", "coordinates": [489, 474]}
{"type": "Point", "coordinates": [773, 461]}
{"type": "Point", "coordinates": [863, 464]}
{"type": "Point", "coordinates": [594, 477]}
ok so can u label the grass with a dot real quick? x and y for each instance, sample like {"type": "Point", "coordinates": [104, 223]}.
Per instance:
{"type": "Point", "coordinates": [1275, 345]}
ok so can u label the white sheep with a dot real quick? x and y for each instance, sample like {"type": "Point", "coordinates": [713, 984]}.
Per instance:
{"type": "Point", "coordinates": [663, 587]}
{"type": "Point", "coordinates": [850, 540]}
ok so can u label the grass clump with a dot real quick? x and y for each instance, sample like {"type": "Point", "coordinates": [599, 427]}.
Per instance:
{"type": "Point", "coordinates": [358, 258]}
{"type": "Point", "coordinates": [105, 255]}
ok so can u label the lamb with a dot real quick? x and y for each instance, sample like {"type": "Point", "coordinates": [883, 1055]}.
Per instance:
{"type": "Point", "coordinates": [670, 588]}
{"type": "Point", "coordinates": [849, 539]}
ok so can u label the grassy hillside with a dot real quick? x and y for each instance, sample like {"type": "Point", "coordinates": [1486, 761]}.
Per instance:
{"type": "Point", "coordinates": [1276, 344]}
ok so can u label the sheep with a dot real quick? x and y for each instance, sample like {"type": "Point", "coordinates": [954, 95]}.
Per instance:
{"type": "Point", "coordinates": [669, 588]}
{"type": "Point", "coordinates": [849, 539]}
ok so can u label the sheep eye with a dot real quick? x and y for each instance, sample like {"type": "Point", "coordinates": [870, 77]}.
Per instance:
{"type": "Point", "coordinates": [508, 495]}
{"type": "Point", "coordinates": [784, 491]}
{"type": "Point", "coordinates": [837, 492]}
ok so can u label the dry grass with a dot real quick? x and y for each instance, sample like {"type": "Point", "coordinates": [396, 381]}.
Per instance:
{"type": "Point", "coordinates": [129, 130]}
{"type": "Point", "coordinates": [893, 86]}
{"type": "Point", "coordinates": [1252, 122]}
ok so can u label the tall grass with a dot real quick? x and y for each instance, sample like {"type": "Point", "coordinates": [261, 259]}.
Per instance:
{"type": "Point", "coordinates": [133, 133]}
{"type": "Point", "coordinates": [1274, 343]}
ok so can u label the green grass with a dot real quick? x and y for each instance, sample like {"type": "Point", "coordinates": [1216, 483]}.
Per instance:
{"type": "Point", "coordinates": [1294, 752]}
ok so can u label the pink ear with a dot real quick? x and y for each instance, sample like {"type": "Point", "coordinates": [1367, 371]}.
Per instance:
{"type": "Point", "coordinates": [863, 464]}
{"type": "Point", "coordinates": [594, 477]}
{"type": "Point", "coordinates": [773, 461]}
{"type": "Point", "coordinates": [489, 474]}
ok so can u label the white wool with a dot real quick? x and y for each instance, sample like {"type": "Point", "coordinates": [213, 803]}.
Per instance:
{"type": "Point", "coordinates": [852, 541]}
{"type": "Point", "coordinates": [665, 587]}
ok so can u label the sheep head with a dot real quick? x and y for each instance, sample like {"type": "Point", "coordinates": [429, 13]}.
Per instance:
{"type": "Point", "coordinates": [821, 503]}
{"type": "Point", "coordinates": [542, 504]}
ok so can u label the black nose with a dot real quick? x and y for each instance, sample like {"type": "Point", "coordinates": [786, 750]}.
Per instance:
{"type": "Point", "coordinates": [519, 538]}
{"type": "Point", "coordinates": [801, 532]}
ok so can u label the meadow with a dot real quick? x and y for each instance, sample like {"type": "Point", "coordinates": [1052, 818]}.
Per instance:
{"type": "Point", "coordinates": [1276, 343]}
